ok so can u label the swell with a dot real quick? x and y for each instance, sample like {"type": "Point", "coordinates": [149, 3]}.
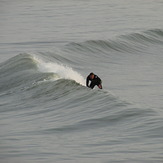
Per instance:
{"type": "Point", "coordinates": [124, 43]}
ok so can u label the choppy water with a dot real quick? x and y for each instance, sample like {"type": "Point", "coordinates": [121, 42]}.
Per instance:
{"type": "Point", "coordinates": [48, 48]}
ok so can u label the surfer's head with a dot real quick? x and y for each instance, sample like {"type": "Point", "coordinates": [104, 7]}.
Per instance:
{"type": "Point", "coordinates": [92, 75]}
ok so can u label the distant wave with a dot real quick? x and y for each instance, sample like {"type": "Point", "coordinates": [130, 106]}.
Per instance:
{"type": "Point", "coordinates": [124, 43]}
{"type": "Point", "coordinates": [149, 36]}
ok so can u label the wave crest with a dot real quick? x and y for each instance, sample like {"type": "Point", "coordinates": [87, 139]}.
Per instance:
{"type": "Point", "coordinates": [62, 71]}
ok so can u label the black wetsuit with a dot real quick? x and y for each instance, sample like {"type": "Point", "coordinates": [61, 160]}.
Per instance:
{"type": "Point", "coordinates": [95, 81]}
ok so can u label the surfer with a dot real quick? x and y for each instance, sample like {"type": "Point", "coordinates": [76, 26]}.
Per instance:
{"type": "Point", "coordinates": [95, 80]}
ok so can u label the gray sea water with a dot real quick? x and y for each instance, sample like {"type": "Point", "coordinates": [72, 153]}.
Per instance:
{"type": "Point", "coordinates": [47, 49]}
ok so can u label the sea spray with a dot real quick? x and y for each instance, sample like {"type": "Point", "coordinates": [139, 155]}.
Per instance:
{"type": "Point", "coordinates": [61, 71]}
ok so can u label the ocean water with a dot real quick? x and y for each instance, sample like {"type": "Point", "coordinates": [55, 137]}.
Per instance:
{"type": "Point", "coordinates": [47, 49]}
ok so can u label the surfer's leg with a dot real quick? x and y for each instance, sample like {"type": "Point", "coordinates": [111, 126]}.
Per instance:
{"type": "Point", "coordinates": [92, 85]}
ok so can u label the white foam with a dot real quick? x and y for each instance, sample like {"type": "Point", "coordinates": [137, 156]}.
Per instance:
{"type": "Point", "coordinates": [62, 71]}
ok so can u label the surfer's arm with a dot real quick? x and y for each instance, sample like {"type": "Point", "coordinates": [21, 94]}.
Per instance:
{"type": "Point", "coordinates": [87, 82]}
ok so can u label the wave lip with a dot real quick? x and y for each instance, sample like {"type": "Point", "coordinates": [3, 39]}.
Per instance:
{"type": "Point", "coordinates": [61, 71]}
